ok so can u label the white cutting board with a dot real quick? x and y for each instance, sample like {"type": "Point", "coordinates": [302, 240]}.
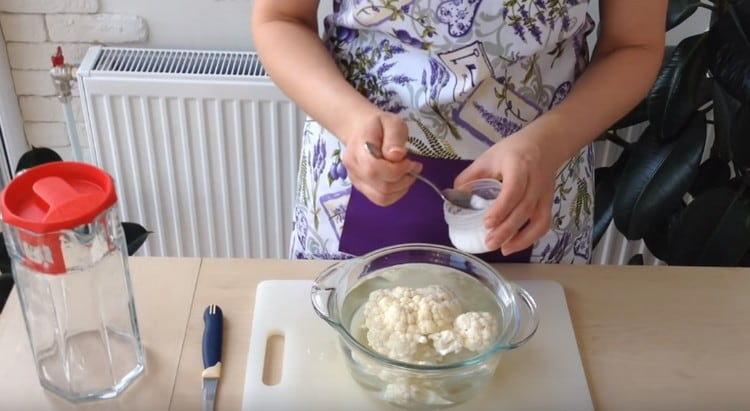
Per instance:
{"type": "Point", "coordinates": [545, 374]}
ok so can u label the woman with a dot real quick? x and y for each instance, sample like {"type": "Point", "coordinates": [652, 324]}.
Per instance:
{"type": "Point", "coordinates": [457, 90]}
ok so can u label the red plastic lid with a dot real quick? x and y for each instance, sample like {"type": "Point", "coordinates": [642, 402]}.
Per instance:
{"type": "Point", "coordinates": [57, 196]}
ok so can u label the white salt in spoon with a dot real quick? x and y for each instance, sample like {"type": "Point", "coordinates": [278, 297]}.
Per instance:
{"type": "Point", "coordinates": [458, 198]}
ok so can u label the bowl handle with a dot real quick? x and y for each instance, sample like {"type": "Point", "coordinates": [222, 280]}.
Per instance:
{"type": "Point", "coordinates": [529, 320]}
{"type": "Point", "coordinates": [323, 290]}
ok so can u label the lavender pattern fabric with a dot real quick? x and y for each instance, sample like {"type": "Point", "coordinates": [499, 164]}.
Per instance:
{"type": "Point", "coordinates": [458, 15]}
{"type": "Point", "coordinates": [463, 74]}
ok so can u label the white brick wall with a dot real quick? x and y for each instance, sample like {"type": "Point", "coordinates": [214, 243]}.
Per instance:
{"type": "Point", "coordinates": [67, 153]}
{"type": "Point", "coordinates": [49, 6]}
{"type": "Point", "coordinates": [101, 28]}
{"type": "Point", "coordinates": [35, 108]}
{"type": "Point", "coordinates": [23, 27]}
{"type": "Point", "coordinates": [33, 83]}
{"type": "Point", "coordinates": [33, 29]}
{"type": "Point", "coordinates": [36, 56]}
{"type": "Point", "coordinates": [52, 134]}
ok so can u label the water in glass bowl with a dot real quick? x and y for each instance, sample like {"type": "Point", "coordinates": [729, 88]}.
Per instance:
{"type": "Point", "coordinates": [418, 389]}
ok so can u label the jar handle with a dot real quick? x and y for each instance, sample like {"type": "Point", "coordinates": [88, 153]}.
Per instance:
{"type": "Point", "coordinates": [531, 319]}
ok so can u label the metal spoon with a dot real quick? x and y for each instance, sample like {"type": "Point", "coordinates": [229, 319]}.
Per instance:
{"type": "Point", "coordinates": [456, 197]}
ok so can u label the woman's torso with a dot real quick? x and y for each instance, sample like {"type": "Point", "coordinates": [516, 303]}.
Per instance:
{"type": "Point", "coordinates": [463, 74]}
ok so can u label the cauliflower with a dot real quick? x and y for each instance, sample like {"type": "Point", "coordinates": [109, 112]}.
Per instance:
{"type": "Point", "coordinates": [398, 320]}
{"type": "Point", "coordinates": [401, 388]}
{"type": "Point", "coordinates": [473, 331]}
{"type": "Point", "coordinates": [404, 393]}
{"type": "Point", "coordinates": [446, 342]}
{"type": "Point", "coordinates": [477, 330]}
{"type": "Point", "coordinates": [437, 308]}
{"type": "Point", "coordinates": [421, 325]}
{"type": "Point", "coordinates": [400, 393]}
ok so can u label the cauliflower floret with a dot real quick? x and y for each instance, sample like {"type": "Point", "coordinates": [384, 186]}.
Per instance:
{"type": "Point", "coordinates": [399, 319]}
{"type": "Point", "coordinates": [437, 308]}
{"type": "Point", "coordinates": [400, 393]}
{"type": "Point", "coordinates": [405, 392]}
{"type": "Point", "coordinates": [419, 326]}
{"type": "Point", "coordinates": [474, 331]}
{"type": "Point", "coordinates": [423, 325]}
{"type": "Point", "coordinates": [446, 342]}
{"type": "Point", "coordinates": [477, 330]}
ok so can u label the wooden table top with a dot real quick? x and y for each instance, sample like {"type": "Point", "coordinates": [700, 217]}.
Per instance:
{"type": "Point", "coordinates": [651, 338]}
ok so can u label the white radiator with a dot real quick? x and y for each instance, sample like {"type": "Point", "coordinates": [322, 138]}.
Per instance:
{"type": "Point", "coordinates": [204, 148]}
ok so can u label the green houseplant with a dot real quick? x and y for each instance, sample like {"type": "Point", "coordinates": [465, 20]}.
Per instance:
{"type": "Point", "coordinates": [686, 194]}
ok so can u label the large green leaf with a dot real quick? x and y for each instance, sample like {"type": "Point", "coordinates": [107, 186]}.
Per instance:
{"type": "Point", "coordinates": [676, 93]}
{"type": "Point", "coordinates": [636, 259]}
{"type": "Point", "coordinates": [656, 178]}
{"type": "Point", "coordinates": [705, 91]}
{"type": "Point", "coordinates": [6, 279]}
{"type": "Point", "coordinates": [6, 285]}
{"type": "Point", "coordinates": [36, 156]}
{"type": "Point", "coordinates": [679, 11]}
{"type": "Point", "coordinates": [639, 114]}
{"type": "Point", "coordinates": [714, 230]}
{"type": "Point", "coordinates": [657, 240]}
{"type": "Point", "coordinates": [732, 128]}
{"type": "Point", "coordinates": [636, 116]}
{"type": "Point", "coordinates": [745, 261]}
{"type": "Point", "coordinates": [605, 181]}
{"type": "Point", "coordinates": [737, 182]}
{"type": "Point", "coordinates": [713, 173]}
{"type": "Point", "coordinates": [724, 111]}
{"type": "Point", "coordinates": [729, 51]}
{"type": "Point", "coordinates": [135, 236]}
{"type": "Point", "coordinates": [4, 256]}
{"type": "Point", "coordinates": [739, 138]}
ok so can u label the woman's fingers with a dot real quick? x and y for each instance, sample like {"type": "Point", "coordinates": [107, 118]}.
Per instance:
{"type": "Point", "coordinates": [381, 181]}
{"type": "Point", "coordinates": [475, 171]}
{"type": "Point", "coordinates": [508, 228]}
{"type": "Point", "coordinates": [390, 188]}
{"type": "Point", "coordinates": [515, 183]}
{"type": "Point", "coordinates": [538, 226]}
{"type": "Point", "coordinates": [395, 135]}
{"type": "Point", "coordinates": [378, 197]}
{"type": "Point", "coordinates": [387, 171]}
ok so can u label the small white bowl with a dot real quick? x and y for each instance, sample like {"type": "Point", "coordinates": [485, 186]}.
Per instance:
{"type": "Point", "coordinates": [466, 227]}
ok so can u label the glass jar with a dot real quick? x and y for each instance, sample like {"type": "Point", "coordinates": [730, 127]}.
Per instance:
{"type": "Point", "coordinates": [69, 262]}
{"type": "Point", "coordinates": [466, 227]}
{"type": "Point", "coordinates": [422, 386]}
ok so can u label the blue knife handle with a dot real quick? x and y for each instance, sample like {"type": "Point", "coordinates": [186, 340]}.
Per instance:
{"type": "Point", "coordinates": [212, 335]}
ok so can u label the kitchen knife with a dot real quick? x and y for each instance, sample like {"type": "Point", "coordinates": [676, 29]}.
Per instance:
{"type": "Point", "coordinates": [212, 339]}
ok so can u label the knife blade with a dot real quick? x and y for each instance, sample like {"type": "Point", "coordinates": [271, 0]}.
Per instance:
{"type": "Point", "coordinates": [212, 340]}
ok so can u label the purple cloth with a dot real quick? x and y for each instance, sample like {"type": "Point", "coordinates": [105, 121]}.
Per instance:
{"type": "Point", "coordinates": [415, 218]}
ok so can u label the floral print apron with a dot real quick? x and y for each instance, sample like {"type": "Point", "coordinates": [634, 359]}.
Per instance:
{"type": "Point", "coordinates": [463, 74]}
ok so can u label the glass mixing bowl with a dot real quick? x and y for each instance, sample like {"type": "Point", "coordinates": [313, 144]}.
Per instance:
{"type": "Point", "coordinates": [422, 386]}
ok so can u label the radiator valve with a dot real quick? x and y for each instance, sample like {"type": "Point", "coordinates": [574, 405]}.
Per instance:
{"type": "Point", "coordinates": [63, 76]}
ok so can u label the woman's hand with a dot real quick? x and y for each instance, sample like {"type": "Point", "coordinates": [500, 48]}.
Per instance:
{"type": "Point", "coordinates": [528, 178]}
{"type": "Point", "coordinates": [382, 181]}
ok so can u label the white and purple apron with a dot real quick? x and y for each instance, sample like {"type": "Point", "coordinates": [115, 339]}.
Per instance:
{"type": "Point", "coordinates": [463, 74]}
